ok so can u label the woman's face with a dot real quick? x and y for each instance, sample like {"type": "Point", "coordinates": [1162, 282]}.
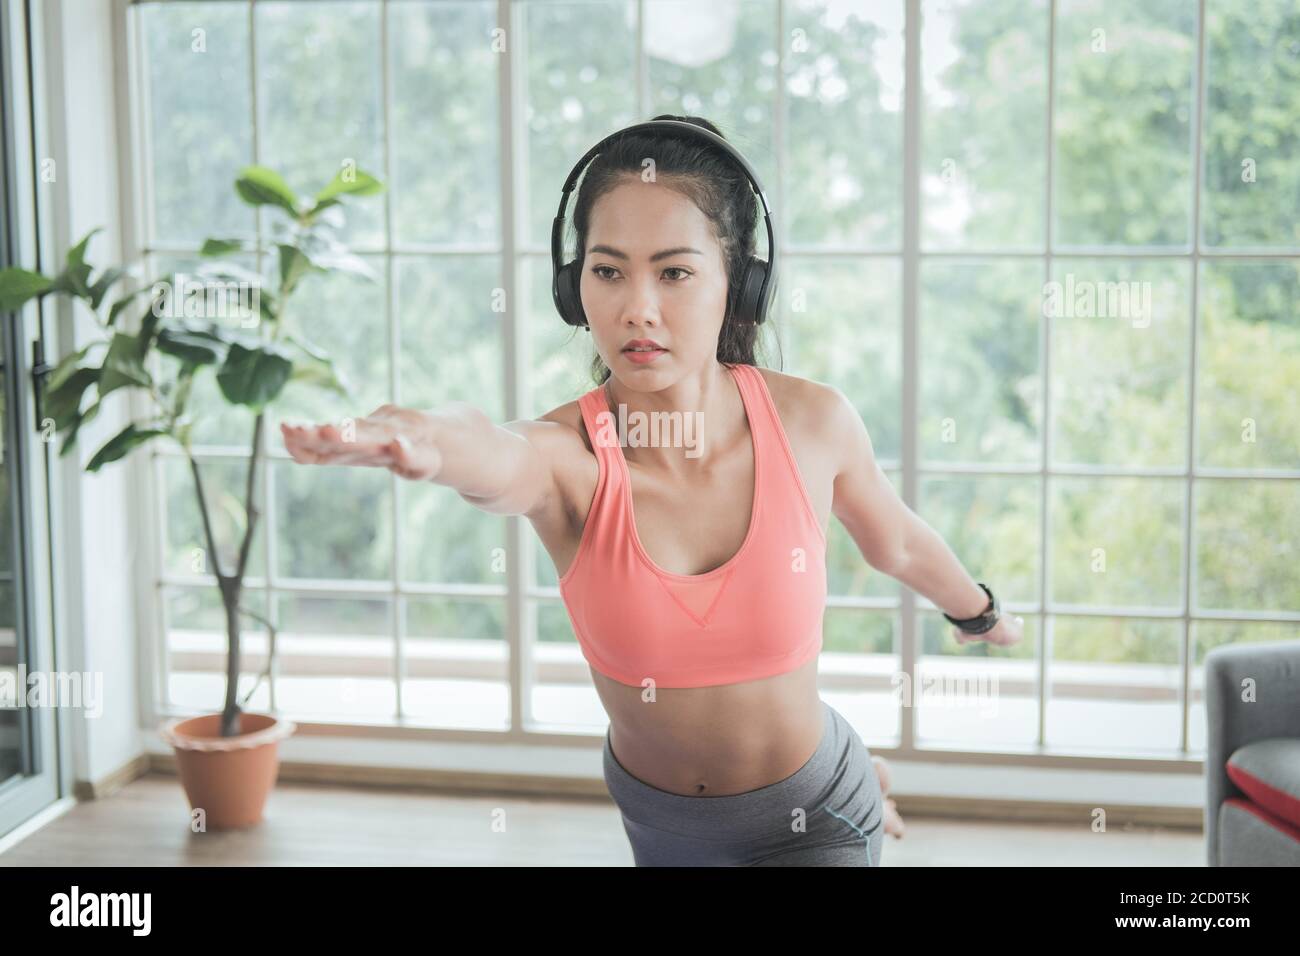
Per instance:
{"type": "Point", "coordinates": [653, 270]}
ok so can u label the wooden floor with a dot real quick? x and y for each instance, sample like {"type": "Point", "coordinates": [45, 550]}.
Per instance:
{"type": "Point", "coordinates": [147, 824]}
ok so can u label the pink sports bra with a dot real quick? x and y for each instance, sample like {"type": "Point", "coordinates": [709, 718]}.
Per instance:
{"type": "Point", "coordinates": [757, 615]}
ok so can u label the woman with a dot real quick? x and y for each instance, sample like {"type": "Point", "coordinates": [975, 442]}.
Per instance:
{"type": "Point", "coordinates": [694, 576]}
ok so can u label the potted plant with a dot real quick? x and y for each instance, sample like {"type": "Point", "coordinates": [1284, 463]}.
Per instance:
{"type": "Point", "coordinates": [227, 762]}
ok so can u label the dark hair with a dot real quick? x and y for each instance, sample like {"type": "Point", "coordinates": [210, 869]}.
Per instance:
{"type": "Point", "coordinates": [709, 178]}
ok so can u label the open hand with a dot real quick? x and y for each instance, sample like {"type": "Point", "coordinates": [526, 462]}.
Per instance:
{"type": "Point", "coordinates": [1007, 631]}
{"type": "Point", "coordinates": [399, 439]}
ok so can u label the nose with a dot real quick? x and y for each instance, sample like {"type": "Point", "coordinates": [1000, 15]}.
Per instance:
{"type": "Point", "coordinates": [641, 305]}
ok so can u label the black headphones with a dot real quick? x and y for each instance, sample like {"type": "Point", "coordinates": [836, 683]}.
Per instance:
{"type": "Point", "coordinates": [758, 282]}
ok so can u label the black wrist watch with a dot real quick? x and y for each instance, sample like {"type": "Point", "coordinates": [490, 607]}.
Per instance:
{"type": "Point", "coordinates": [982, 622]}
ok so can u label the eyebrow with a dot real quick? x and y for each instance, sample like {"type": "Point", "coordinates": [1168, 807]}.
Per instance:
{"type": "Point", "coordinates": [662, 254]}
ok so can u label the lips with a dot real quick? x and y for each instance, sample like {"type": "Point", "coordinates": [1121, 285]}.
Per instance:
{"type": "Point", "coordinates": [643, 345]}
{"type": "Point", "coordinates": [644, 358]}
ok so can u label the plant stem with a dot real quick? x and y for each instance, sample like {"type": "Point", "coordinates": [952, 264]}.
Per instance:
{"type": "Point", "coordinates": [249, 494]}
{"type": "Point", "coordinates": [230, 712]}
{"type": "Point", "coordinates": [229, 588]}
{"type": "Point", "coordinates": [207, 521]}
{"type": "Point", "coordinates": [270, 653]}
{"type": "Point", "coordinates": [232, 587]}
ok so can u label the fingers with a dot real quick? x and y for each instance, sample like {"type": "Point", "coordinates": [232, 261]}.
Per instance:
{"type": "Point", "coordinates": [1012, 635]}
{"type": "Point", "coordinates": [325, 445]}
{"type": "Point", "coordinates": [381, 448]}
{"type": "Point", "coordinates": [1008, 630]}
{"type": "Point", "coordinates": [400, 463]}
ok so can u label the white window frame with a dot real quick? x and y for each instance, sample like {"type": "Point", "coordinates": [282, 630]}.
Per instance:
{"type": "Point", "coordinates": [520, 593]}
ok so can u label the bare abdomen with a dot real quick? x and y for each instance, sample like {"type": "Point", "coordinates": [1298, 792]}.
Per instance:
{"type": "Point", "coordinates": [715, 741]}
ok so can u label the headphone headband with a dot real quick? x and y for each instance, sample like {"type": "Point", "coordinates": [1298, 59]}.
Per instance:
{"type": "Point", "coordinates": [758, 279]}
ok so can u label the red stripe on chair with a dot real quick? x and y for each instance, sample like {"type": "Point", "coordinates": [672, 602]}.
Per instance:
{"type": "Point", "coordinates": [1279, 803]}
{"type": "Point", "coordinates": [1260, 813]}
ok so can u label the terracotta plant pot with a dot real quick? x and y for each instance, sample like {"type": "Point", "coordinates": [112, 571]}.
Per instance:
{"type": "Point", "coordinates": [229, 778]}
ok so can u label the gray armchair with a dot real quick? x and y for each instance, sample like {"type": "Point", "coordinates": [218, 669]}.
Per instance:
{"type": "Point", "coordinates": [1252, 756]}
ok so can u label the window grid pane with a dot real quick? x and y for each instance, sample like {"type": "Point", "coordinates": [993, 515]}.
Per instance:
{"type": "Point", "coordinates": [1212, 429]}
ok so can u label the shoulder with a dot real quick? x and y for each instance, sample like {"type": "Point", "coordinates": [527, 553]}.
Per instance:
{"type": "Point", "coordinates": [562, 424]}
{"type": "Point", "coordinates": [819, 411]}
{"type": "Point", "coordinates": [798, 395]}
{"type": "Point", "coordinates": [559, 436]}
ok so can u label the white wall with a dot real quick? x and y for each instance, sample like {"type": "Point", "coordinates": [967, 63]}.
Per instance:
{"type": "Point", "coordinates": [94, 544]}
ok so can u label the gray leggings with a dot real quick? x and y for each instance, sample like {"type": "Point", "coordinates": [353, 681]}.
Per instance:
{"type": "Point", "coordinates": [827, 813]}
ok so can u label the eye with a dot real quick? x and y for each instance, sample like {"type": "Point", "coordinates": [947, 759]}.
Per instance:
{"type": "Point", "coordinates": [685, 273]}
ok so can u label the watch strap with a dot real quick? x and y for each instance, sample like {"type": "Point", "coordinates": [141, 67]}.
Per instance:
{"type": "Point", "coordinates": [982, 622]}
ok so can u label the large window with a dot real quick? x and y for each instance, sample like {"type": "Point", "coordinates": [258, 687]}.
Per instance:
{"type": "Point", "coordinates": [1051, 250]}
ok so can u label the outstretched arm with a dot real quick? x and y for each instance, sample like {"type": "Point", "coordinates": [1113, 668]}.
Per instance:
{"type": "Point", "coordinates": [891, 536]}
{"type": "Point", "coordinates": [497, 468]}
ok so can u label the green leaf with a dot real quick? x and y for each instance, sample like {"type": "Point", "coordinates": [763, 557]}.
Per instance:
{"type": "Point", "coordinates": [121, 444]}
{"type": "Point", "coordinates": [73, 279]}
{"type": "Point", "coordinates": [103, 283]}
{"type": "Point", "coordinates": [123, 365]}
{"type": "Point", "coordinates": [260, 186]}
{"type": "Point", "coordinates": [315, 351]}
{"type": "Point", "coordinates": [149, 323]}
{"type": "Point", "coordinates": [293, 266]}
{"type": "Point", "coordinates": [314, 213]}
{"type": "Point", "coordinates": [321, 375]}
{"type": "Point", "coordinates": [184, 384]}
{"type": "Point", "coordinates": [60, 374]}
{"type": "Point", "coordinates": [194, 348]}
{"type": "Point", "coordinates": [19, 285]}
{"type": "Point", "coordinates": [222, 247]}
{"type": "Point", "coordinates": [343, 262]}
{"type": "Point", "coordinates": [252, 286]}
{"type": "Point", "coordinates": [317, 369]}
{"type": "Point", "coordinates": [182, 424]}
{"type": "Point", "coordinates": [63, 403]}
{"type": "Point", "coordinates": [182, 431]}
{"type": "Point", "coordinates": [76, 274]}
{"type": "Point", "coordinates": [219, 291]}
{"type": "Point", "coordinates": [230, 271]}
{"type": "Point", "coordinates": [254, 376]}
{"type": "Point", "coordinates": [328, 254]}
{"type": "Point", "coordinates": [220, 335]}
{"type": "Point", "coordinates": [69, 362]}
{"type": "Point", "coordinates": [267, 306]}
{"type": "Point", "coordinates": [355, 182]}
{"type": "Point", "coordinates": [70, 440]}
{"type": "Point", "coordinates": [116, 309]}
{"type": "Point", "coordinates": [77, 254]}
{"type": "Point", "coordinates": [328, 214]}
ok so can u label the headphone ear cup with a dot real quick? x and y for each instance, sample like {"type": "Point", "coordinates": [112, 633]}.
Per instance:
{"type": "Point", "coordinates": [751, 306]}
{"type": "Point", "coordinates": [772, 278]}
{"type": "Point", "coordinates": [570, 298]}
